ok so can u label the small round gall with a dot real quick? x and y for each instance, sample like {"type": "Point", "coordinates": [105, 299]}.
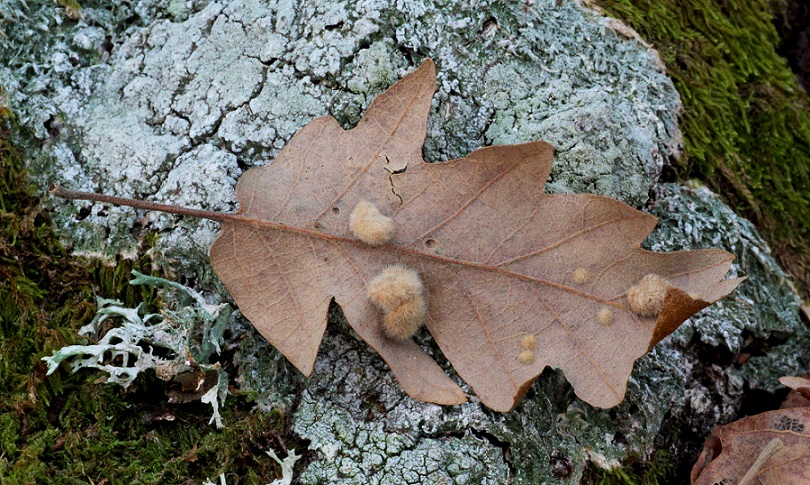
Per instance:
{"type": "Point", "coordinates": [403, 321]}
{"type": "Point", "coordinates": [398, 292]}
{"type": "Point", "coordinates": [646, 297]}
{"type": "Point", "coordinates": [605, 316]}
{"type": "Point", "coordinates": [580, 276]}
{"type": "Point", "coordinates": [369, 225]}
{"type": "Point", "coordinates": [394, 286]}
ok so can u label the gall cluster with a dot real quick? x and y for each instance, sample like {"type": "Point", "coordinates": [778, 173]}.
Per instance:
{"type": "Point", "coordinates": [399, 294]}
{"type": "Point", "coordinates": [397, 291]}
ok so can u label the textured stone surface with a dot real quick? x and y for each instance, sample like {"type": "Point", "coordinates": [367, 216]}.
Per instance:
{"type": "Point", "coordinates": [760, 322]}
{"type": "Point", "coordinates": [243, 76]}
{"type": "Point", "coordinates": [170, 101]}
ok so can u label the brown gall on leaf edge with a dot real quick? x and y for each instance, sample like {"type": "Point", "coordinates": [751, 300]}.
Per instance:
{"type": "Point", "coordinates": [495, 254]}
{"type": "Point", "coordinates": [646, 297]}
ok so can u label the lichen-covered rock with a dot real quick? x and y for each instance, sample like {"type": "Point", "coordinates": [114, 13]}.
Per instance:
{"type": "Point", "coordinates": [740, 346]}
{"type": "Point", "coordinates": [171, 100]}
{"type": "Point", "coordinates": [242, 76]}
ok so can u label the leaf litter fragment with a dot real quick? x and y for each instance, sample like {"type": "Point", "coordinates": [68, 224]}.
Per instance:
{"type": "Point", "coordinates": [499, 259]}
{"type": "Point", "coordinates": [768, 448]}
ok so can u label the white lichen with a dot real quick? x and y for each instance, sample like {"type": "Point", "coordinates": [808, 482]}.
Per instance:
{"type": "Point", "coordinates": [286, 464]}
{"type": "Point", "coordinates": [179, 339]}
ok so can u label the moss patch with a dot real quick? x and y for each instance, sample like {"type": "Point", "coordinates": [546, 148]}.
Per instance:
{"type": "Point", "coordinates": [746, 123]}
{"type": "Point", "coordinates": [69, 428]}
{"type": "Point", "coordinates": [660, 469]}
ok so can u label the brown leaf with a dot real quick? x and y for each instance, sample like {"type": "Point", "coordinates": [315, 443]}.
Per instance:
{"type": "Point", "coordinates": [496, 255]}
{"type": "Point", "coordinates": [799, 396]}
{"type": "Point", "coordinates": [768, 448]}
{"type": "Point", "coordinates": [502, 263]}
{"type": "Point", "coordinates": [798, 384]}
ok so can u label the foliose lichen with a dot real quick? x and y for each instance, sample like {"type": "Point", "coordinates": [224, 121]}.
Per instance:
{"type": "Point", "coordinates": [180, 339]}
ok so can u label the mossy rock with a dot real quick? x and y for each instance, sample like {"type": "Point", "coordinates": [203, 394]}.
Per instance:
{"type": "Point", "coordinates": [745, 120]}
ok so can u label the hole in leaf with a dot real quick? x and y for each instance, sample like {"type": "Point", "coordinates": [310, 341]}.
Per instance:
{"type": "Point", "coordinates": [430, 243]}
{"type": "Point", "coordinates": [336, 211]}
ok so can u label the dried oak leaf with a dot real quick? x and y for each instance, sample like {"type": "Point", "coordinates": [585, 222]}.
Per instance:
{"type": "Point", "coordinates": [496, 254]}
{"type": "Point", "coordinates": [503, 264]}
{"type": "Point", "coordinates": [799, 395]}
{"type": "Point", "coordinates": [768, 448]}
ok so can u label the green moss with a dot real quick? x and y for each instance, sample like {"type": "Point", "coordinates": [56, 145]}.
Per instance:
{"type": "Point", "coordinates": [746, 123]}
{"type": "Point", "coordinates": [660, 469]}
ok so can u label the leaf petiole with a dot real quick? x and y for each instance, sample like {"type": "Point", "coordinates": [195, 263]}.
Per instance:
{"type": "Point", "coordinates": [138, 204]}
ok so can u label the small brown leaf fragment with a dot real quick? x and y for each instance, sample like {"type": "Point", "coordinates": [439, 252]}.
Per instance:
{"type": "Point", "coordinates": [768, 448]}
{"type": "Point", "coordinates": [799, 395]}
{"type": "Point", "coordinates": [798, 384]}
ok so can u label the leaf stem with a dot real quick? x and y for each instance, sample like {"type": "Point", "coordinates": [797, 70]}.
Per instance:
{"type": "Point", "coordinates": [138, 204]}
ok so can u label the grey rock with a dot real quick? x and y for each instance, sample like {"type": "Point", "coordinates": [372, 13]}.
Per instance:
{"type": "Point", "coordinates": [244, 75]}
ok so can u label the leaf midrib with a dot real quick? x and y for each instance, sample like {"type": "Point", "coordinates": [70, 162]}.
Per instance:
{"type": "Point", "coordinates": [241, 219]}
